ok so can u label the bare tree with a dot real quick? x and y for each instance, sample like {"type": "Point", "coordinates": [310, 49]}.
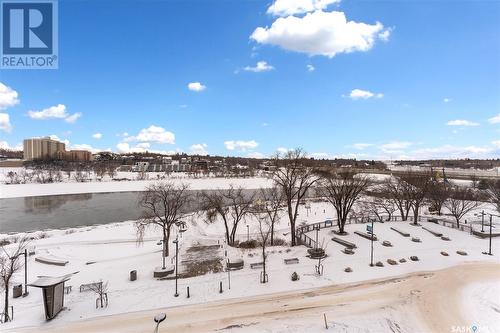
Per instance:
{"type": "Point", "coordinates": [9, 265]}
{"type": "Point", "coordinates": [417, 187]}
{"type": "Point", "coordinates": [437, 196]}
{"type": "Point", "coordinates": [264, 233]}
{"type": "Point", "coordinates": [461, 202]}
{"type": "Point", "coordinates": [475, 180]}
{"type": "Point", "coordinates": [101, 291]}
{"type": "Point", "coordinates": [494, 193]}
{"type": "Point", "coordinates": [165, 205]}
{"type": "Point", "coordinates": [232, 205]}
{"type": "Point", "coordinates": [295, 178]}
{"type": "Point", "coordinates": [378, 206]}
{"type": "Point", "coordinates": [342, 189]}
{"type": "Point", "coordinates": [270, 204]}
{"type": "Point", "coordinates": [398, 193]}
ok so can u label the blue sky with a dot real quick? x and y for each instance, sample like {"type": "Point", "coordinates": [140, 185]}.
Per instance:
{"type": "Point", "coordinates": [365, 79]}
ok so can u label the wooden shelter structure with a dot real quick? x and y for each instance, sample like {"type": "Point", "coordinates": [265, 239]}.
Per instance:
{"type": "Point", "coordinates": [53, 293]}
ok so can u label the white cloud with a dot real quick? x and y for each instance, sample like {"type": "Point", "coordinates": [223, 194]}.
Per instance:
{"type": "Point", "coordinates": [292, 7]}
{"type": "Point", "coordinates": [362, 146]}
{"type": "Point", "coordinates": [282, 150]}
{"type": "Point", "coordinates": [155, 134]}
{"type": "Point", "coordinates": [55, 137]}
{"type": "Point", "coordinates": [199, 149]}
{"type": "Point", "coordinates": [5, 145]}
{"type": "Point", "coordinates": [395, 146]}
{"type": "Point", "coordinates": [446, 100]}
{"type": "Point", "coordinates": [256, 155]}
{"type": "Point", "coordinates": [124, 147]}
{"type": "Point", "coordinates": [319, 33]}
{"type": "Point", "coordinates": [265, 124]}
{"type": "Point", "coordinates": [310, 68]}
{"type": "Point", "coordinates": [494, 119]}
{"type": "Point", "coordinates": [450, 151]}
{"type": "Point", "coordinates": [84, 146]}
{"type": "Point", "coordinates": [496, 144]}
{"type": "Point", "coordinates": [261, 66]}
{"type": "Point", "coordinates": [72, 119]}
{"type": "Point", "coordinates": [58, 111]}
{"type": "Point", "coordinates": [5, 124]}
{"type": "Point", "coordinates": [461, 122]}
{"type": "Point", "coordinates": [196, 86]}
{"type": "Point", "coordinates": [240, 145]}
{"type": "Point", "coordinates": [8, 97]}
{"type": "Point", "coordinates": [54, 112]}
{"type": "Point", "coordinates": [356, 94]}
{"type": "Point", "coordinates": [97, 136]}
{"type": "Point", "coordinates": [385, 34]}
{"type": "Point", "coordinates": [143, 145]}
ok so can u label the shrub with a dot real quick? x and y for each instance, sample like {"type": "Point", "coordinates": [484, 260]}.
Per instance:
{"type": "Point", "coordinates": [295, 276]}
{"type": "Point", "coordinates": [279, 242]}
{"type": "Point", "coordinates": [251, 244]}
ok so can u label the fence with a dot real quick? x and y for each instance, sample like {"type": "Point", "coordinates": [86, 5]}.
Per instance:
{"type": "Point", "coordinates": [302, 238]}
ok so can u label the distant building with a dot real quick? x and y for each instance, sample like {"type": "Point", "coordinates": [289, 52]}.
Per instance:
{"type": "Point", "coordinates": [75, 155]}
{"type": "Point", "coordinates": [42, 148]}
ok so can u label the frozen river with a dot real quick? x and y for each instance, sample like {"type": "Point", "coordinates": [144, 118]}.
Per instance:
{"type": "Point", "coordinates": [71, 210]}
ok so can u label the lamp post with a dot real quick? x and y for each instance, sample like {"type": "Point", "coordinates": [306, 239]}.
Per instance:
{"type": "Point", "coordinates": [176, 242]}
{"type": "Point", "coordinates": [248, 233]}
{"type": "Point", "coordinates": [491, 226]}
{"type": "Point", "coordinates": [162, 253]}
{"type": "Point", "coordinates": [482, 220]}
{"type": "Point", "coordinates": [25, 254]}
{"type": "Point", "coordinates": [158, 319]}
{"type": "Point", "coordinates": [371, 255]}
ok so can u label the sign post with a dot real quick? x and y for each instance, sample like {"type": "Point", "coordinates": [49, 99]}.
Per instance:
{"type": "Point", "coordinates": [369, 229]}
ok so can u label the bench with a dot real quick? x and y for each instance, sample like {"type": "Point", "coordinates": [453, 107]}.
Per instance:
{"type": "Point", "coordinates": [437, 234]}
{"type": "Point", "coordinates": [365, 235]}
{"type": "Point", "coordinates": [290, 261]}
{"type": "Point", "coordinates": [67, 289]}
{"type": "Point", "coordinates": [51, 261]}
{"type": "Point", "coordinates": [235, 264]}
{"type": "Point", "coordinates": [256, 265]}
{"type": "Point", "coordinates": [344, 242]}
{"type": "Point", "coordinates": [405, 234]}
{"type": "Point", "coordinates": [90, 286]}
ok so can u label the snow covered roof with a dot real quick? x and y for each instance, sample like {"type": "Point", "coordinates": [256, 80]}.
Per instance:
{"type": "Point", "coordinates": [47, 281]}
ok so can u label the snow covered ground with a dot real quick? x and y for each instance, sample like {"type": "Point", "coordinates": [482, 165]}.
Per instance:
{"type": "Point", "coordinates": [28, 190]}
{"type": "Point", "coordinates": [110, 252]}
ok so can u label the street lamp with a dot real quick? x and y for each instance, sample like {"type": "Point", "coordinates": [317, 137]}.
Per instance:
{"type": "Point", "coordinates": [161, 242]}
{"type": "Point", "coordinates": [482, 219]}
{"type": "Point", "coordinates": [25, 254]}
{"type": "Point", "coordinates": [371, 255]}
{"type": "Point", "coordinates": [176, 242]}
{"type": "Point", "coordinates": [158, 319]}
{"type": "Point", "coordinates": [248, 232]}
{"type": "Point", "coordinates": [491, 226]}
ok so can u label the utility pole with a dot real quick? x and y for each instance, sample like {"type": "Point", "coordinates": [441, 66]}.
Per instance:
{"type": "Point", "coordinates": [482, 221]}
{"type": "Point", "coordinates": [491, 223]}
{"type": "Point", "coordinates": [371, 256]}
{"type": "Point", "coordinates": [25, 273]}
{"type": "Point", "coordinates": [176, 241]}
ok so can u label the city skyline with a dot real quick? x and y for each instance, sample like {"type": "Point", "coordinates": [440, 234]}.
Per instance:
{"type": "Point", "coordinates": [369, 80]}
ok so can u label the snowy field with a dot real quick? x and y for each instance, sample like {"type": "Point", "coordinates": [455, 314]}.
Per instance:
{"type": "Point", "coordinates": [110, 252]}
{"type": "Point", "coordinates": [28, 190]}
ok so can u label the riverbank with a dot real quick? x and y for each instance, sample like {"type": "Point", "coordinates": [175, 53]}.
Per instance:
{"type": "Point", "coordinates": [29, 190]}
